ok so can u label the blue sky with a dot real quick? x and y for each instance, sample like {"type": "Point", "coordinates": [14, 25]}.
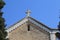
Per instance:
{"type": "Point", "coordinates": [45, 11]}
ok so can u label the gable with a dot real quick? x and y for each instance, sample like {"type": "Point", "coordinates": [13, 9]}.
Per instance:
{"type": "Point", "coordinates": [20, 30]}
{"type": "Point", "coordinates": [22, 33]}
{"type": "Point", "coordinates": [32, 21]}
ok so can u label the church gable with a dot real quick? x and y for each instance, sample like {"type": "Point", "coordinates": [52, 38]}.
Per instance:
{"type": "Point", "coordinates": [34, 32]}
{"type": "Point", "coordinates": [30, 29]}
{"type": "Point", "coordinates": [31, 20]}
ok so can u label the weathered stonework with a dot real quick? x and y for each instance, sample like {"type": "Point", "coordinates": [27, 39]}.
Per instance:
{"type": "Point", "coordinates": [22, 33]}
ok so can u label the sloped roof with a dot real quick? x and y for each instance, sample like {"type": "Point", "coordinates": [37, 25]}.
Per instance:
{"type": "Point", "coordinates": [20, 22]}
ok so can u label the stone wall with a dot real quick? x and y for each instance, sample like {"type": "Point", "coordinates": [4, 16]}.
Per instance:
{"type": "Point", "coordinates": [22, 33]}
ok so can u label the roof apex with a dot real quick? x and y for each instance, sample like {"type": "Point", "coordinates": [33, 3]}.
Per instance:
{"type": "Point", "coordinates": [34, 21]}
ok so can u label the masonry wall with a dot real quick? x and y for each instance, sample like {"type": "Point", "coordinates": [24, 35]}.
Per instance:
{"type": "Point", "coordinates": [22, 33]}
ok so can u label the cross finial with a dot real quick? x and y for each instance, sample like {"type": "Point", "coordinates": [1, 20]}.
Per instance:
{"type": "Point", "coordinates": [28, 13]}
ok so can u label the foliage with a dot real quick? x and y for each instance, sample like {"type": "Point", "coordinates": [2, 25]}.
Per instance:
{"type": "Point", "coordinates": [59, 26]}
{"type": "Point", "coordinates": [2, 3]}
{"type": "Point", "coordinates": [3, 32]}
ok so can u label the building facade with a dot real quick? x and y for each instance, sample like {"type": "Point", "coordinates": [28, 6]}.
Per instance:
{"type": "Point", "coordinates": [30, 29]}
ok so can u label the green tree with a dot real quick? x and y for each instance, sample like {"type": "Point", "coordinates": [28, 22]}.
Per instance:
{"type": "Point", "coordinates": [3, 32]}
{"type": "Point", "coordinates": [59, 26]}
